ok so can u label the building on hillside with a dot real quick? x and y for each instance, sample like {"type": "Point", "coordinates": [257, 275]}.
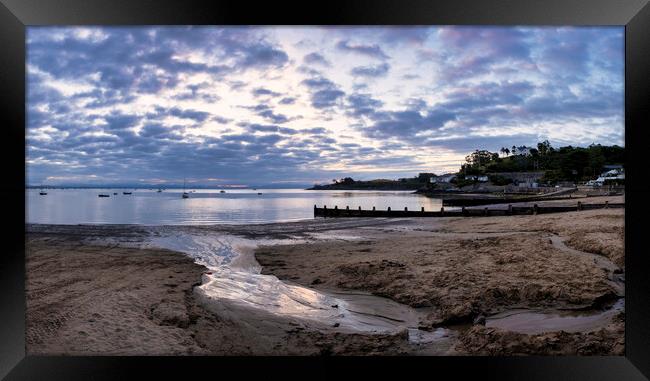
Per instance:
{"type": "Point", "coordinates": [522, 179]}
{"type": "Point", "coordinates": [615, 174]}
{"type": "Point", "coordinates": [521, 150]}
{"type": "Point", "coordinates": [446, 178]}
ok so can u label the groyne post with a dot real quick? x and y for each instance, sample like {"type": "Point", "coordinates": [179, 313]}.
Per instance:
{"type": "Point", "coordinates": [510, 209]}
{"type": "Point", "coordinates": [535, 209]}
{"type": "Point", "coordinates": [442, 211]}
{"type": "Point", "coordinates": [359, 208]}
{"type": "Point", "coordinates": [464, 211]}
{"type": "Point", "coordinates": [606, 204]}
{"type": "Point", "coordinates": [373, 208]}
{"type": "Point", "coordinates": [347, 207]}
{"type": "Point", "coordinates": [406, 209]}
{"type": "Point", "coordinates": [389, 208]}
{"type": "Point", "coordinates": [579, 205]}
{"type": "Point", "coordinates": [423, 209]}
{"type": "Point", "coordinates": [485, 211]}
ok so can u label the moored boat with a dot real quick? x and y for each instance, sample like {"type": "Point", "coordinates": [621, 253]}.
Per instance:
{"type": "Point", "coordinates": [185, 194]}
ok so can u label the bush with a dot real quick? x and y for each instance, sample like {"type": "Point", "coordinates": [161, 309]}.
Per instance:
{"type": "Point", "coordinates": [499, 180]}
{"type": "Point", "coordinates": [463, 182]}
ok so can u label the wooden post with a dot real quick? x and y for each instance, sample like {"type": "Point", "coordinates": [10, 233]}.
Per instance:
{"type": "Point", "coordinates": [510, 209]}
{"type": "Point", "coordinates": [464, 211]}
{"type": "Point", "coordinates": [442, 210]}
{"type": "Point", "coordinates": [485, 211]}
{"type": "Point", "coordinates": [359, 208]}
{"type": "Point", "coordinates": [347, 207]}
{"type": "Point", "coordinates": [406, 209]}
{"type": "Point", "coordinates": [389, 208]}
{"type": "Point", "coordinates": [336, 207]}
{"type": "Point", "coordinates": [579, 205]}
{"type": "Point", "coordinates": [606, 204]}
{"type": "Point", "coordinates": [535, 209]}
{"type": "Point", "coordinates": [373, 208]}
{"type": "Point", "coordinates": [423, 209]}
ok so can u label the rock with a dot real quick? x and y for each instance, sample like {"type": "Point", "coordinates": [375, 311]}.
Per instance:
{"type": "Point", "coordinates": [336, 325]}
{"type": "Point", "coordinates": [480, 320]}
{"type": "Point", "coordinates": [316, 281]}
{"type": "Point", "coordinates": [335, 306]}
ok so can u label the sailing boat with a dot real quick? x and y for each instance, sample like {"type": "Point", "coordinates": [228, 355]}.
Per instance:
{"type": "Point", "coordinates": [185, 194]}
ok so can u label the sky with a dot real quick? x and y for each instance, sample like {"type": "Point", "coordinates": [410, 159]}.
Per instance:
{"type": "Point", "coordinates": [294, 106]}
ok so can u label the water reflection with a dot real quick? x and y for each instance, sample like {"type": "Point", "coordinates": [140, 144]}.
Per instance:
{"type": "Point", "coordinates": [205, 206]}
{"type": "Point", "coordinates": [234, 278]}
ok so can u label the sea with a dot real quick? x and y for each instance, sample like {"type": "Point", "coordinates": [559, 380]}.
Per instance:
{"type": "Point", "coordinates": [205, 206]}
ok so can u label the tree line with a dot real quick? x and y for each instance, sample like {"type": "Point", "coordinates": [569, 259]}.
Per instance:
{"type": "Point", "coordinates": [559, 164]}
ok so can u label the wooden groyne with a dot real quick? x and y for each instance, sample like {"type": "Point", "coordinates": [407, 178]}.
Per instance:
{"type": "Point", "coordinates": [463, 212]}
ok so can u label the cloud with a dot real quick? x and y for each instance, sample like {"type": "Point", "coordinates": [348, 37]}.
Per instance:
{"type": "Point", "coordinates": [326, 98]}
{"type": "Point", "coordinates": [407, 124]}
{"type": "Point", "coordinates": [288, 101]}
{"type": "Point", "coordinates": [130, 103]}
{"type": "Point", "coordinates": [316, 59]}
{"type": "Point", "coordinates": [373, 51]}
{"type": "Point", "coordinates": [195, 115]}
{"type": "Point", "coordinates": [363, 104]}
{"type": "Point", "coordinates": [370, 71]}
{"type": "Point", "coordinates": [325, 93]}
{"type": "Point", "coordinates": [121, 121]}
{"type": "Point", "coordinates": [260, 91]}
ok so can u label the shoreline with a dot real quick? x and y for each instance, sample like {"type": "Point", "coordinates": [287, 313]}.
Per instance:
{"type": "Point", "coordinates": [87, 255]}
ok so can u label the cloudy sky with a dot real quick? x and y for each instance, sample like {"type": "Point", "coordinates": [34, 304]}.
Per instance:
{"type": "Point", "coordinates": [288, 106]}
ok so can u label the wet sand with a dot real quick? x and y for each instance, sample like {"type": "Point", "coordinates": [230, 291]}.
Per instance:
{"type": "Point", "coordinates": [462, 270]}
{"type": "Point", "coordinates": [95, 290]}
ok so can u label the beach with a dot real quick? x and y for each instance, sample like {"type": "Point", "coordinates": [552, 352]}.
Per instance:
{"type": "Point", "coordinates": [468, 286]}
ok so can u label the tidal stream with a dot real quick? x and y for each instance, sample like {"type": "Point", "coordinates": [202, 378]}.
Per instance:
{"type": "Point", "coordinates": [234, 287]}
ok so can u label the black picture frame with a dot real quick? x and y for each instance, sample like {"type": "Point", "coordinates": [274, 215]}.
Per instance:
{"type": "Point", "coordinates": [15, 15]}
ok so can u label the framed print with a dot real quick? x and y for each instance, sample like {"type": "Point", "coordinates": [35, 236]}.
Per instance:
{"type": "Point", "coordinates": [199, 186]}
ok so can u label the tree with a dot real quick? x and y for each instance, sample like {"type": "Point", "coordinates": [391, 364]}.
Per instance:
{"type": "Point", "coordinates": [544, 147]}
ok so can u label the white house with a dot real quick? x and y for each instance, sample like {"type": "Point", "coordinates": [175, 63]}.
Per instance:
{"type": "Point", "coordinates": [612, 174]}
{"type": "Point", "coordinates": [442, 178]}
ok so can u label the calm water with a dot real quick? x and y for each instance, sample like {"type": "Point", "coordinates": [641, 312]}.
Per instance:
{"type": "Point", "coordinates": [205, 206]}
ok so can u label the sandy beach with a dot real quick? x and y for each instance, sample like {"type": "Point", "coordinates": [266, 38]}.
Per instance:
{"type": "Point", "coordinates": [98, 290]}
